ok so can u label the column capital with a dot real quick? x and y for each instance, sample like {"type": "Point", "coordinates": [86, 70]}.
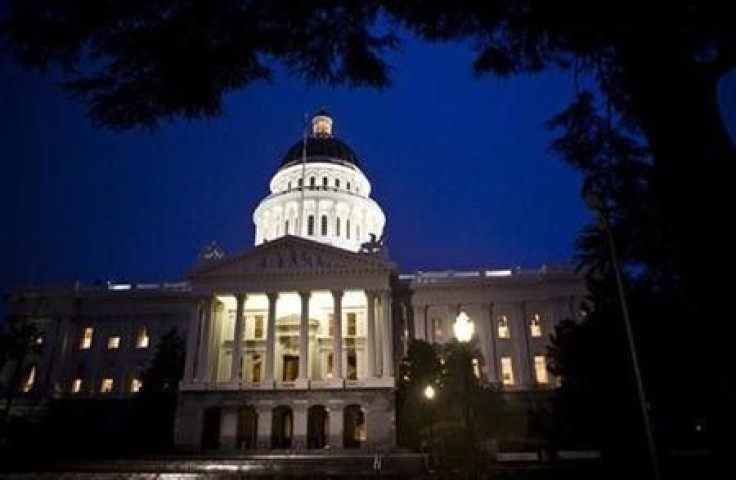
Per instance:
{"type": "Point", "coordinates": [371, 294]}
{"type": "Point", "coordinates": [337, 294]}
{"type": "Point", "coordinates": [305, 294]}
{"type": "Point", "coordinates": [240, 296]}
{"type": "Point", "coordinates": [272, 296]}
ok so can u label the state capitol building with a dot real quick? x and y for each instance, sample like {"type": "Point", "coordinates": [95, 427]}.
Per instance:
{"type": "Point", "coordinates": [295, 342]}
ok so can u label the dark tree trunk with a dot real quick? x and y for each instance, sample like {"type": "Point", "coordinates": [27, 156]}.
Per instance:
{"type": "Point", "coordinates": [677, 105]}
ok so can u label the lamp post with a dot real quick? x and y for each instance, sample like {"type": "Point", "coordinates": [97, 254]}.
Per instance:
{"type": "Point", "coordinates": [595, 204]}
{"type": "Point", "coordinates": [429, 394]}
{"type": "Point", "coordinates": [463, 329]}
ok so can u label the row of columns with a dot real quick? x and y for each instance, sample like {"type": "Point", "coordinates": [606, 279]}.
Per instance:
{"type": "Point", "coordinates": [201, 344]}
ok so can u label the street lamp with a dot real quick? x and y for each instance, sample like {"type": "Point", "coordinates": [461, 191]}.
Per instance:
{"type": "Point", "coordinates": [429, 392]}
{"type": "Point", "coordinates": [595, 203]}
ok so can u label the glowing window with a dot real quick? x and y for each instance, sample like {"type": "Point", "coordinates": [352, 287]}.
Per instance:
{"type": "Point", "coordinates": [337, 227]}
{"type": "Point", "coordinates": [507, 372]}
{"type": "Point", "coordinates": [352, 372]}
{"type": "Point", "coordinates": [310, 225]}
{"type": "Point", "coordinates": [77, 385]}
{"type": "Point", "coordinates": [347, 228]}
{"type": "Point", "coordinates": [476, 368]}
{"type": "Point", "coordinates": [540, 369]}
{"type": "Point", "coordinates": [535, 325]}
{"type": "Point", "coordinates": [330, 365]}
{"type": "Point", "coordinates": [135, 385]}
{"type": "Point", "coordinates": [113, 342]}
{"type": "Point", "coordinates": [258, 333]}
{"type": "Point", "coordinates": [324, 225]}
{"type": "Point", "coordinates": [106, 386]}
{"type": "Point", "coordinates": [30, 379]}
{"type": "Point", "coordinates": [142, 340]}
{"type": "Point", "coordinates": [352, 324]}
{"type": "Point", "coordinates": [86, 341]}
{"type": "Point", "coordinates": [503, 327]}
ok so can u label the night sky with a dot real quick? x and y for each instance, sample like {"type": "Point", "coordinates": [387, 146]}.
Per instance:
{"type": "Point", "coordinates": [460, 166]}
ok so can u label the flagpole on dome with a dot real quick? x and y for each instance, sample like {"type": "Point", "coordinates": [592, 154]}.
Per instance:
{"type": "Point", "coordinates": [302, 232]}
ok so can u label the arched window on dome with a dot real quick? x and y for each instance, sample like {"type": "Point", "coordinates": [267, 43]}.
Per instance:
{"type": "Point", "coordinates": [337, 226]}
{"type": "Point", "coordinates": [347, 228]}
{"type": "Point", "coordinates": [288, 186]}
{"type": "Point", "coordinates": [300, 182]}
{"type": "Point", "coordinates": [323, 227]}
{"type": "Point", "coordinates": [312, 182]}
{"type": "Point", "coordinates": [310, 225]}
{"type": "Point", "coordinates": [348, 186]}
{"type": "Point", "coordinates": [337, 183]}
{"type": "Point", "coordinates": [324, 182]}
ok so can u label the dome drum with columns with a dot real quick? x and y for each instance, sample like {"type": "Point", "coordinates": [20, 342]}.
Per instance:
{"type": "Point", "coordinates": [320, 193]}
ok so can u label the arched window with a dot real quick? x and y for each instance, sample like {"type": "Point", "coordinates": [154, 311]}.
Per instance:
{"type": "Point", "coordinates": [300, 182]}
{"type": "Point", "coordinates": [324, 182]}
{"type": "Point", "coordinates": [312, 182]}
{"type": "Point", "coordinates": [347, 228]}
{"type": "Point", "coordinates": [535, 325]}
{"type": "Point", "coordinates": [323, 227]}
{"type": "Point", "coordinates": [288, 187]}
{"type": "Point", "coordinates": [310, 225]}
{"type": "Point", "coordinates": [337, 227]}
{"type": "Point", "coordinates": [286, 227]}
{"type": "Point", "coordinates": [337, 183]}
{"type": "Point", "coordinates": [503, 327]}
{"type": "Point", "coordinates": [348, 186]}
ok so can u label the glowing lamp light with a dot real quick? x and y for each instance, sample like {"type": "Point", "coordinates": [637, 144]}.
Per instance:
{"type": "Point", "coordinates": [463, 328]}
{"type": "Point", "coordinates": [429, 392]}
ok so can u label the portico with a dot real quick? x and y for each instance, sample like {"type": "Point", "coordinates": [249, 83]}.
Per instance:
{"type": "Point", "coordinates": [290, 316]}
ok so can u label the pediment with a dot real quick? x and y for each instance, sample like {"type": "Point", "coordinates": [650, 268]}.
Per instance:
{"type": "Point", "coordinates": [291, 256]}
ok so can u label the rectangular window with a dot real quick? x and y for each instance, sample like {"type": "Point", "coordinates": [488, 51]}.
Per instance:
{"type": "Point", "coordinates": [330, 365]}
{"type": "Point", "coordinates": [310, 225]}
{"type": "Point", "coordinates": [352, 373]}
{"type": "Point", "coordinates": [86, 341]}
{"type": "Point", "coordinates": [324, 225]}
{"type": "Point", "coordinates": [142, 339]}
{"type": "Point", "coordinates": [352, 325]}
{"type": "Point", "coordinates": [135, 385]}
{"type": "Point", "coordinates": [337, 227]}
{"type": "Point", "coordinates": [540, 369]}
{"type": "Point", "coordinates": [77, 385]}
{"type": "Point", "coordinates": [476, 368]}
{"type": "Point", "coordinates": [113, 342]}
{"type": "Point", "coordinates": [255, 374]}
{"type": "Point", "coordinates": [324, 182]}
{"type": "Point", "coordinates": [106, 386]}
{"type": "Point", "coordinates": [437, 328]}
{"type": "Point", "coordinates": [503, 327]}
{"type": "Point", "coordinates": [286, 227]}
{"type": "Point", "coordinates": [507, 372]}
{"type": "Point", "coordinates": [258, 333]}
{"type": "Point", "coordinates": [535, 325]}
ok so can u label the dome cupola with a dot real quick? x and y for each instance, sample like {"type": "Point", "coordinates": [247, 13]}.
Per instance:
{"type": "Point", "coordinates": [320, 193]}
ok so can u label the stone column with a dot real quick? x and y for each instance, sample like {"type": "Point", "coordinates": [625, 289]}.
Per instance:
{"type": "Point", "coordinates": [190, 363]}
{"type": "Point", "coordinates": [490, 341]}
{"type": "Point", "coordinates": [337, 335]}
{"type": "Point", "coordinates": [336, 424]}
{"type": "Point", "coordinates": [59, 353]}
{"type": "Point", "coordinates": [235, 373]}
{"type": "Point", "coordinates": [520, 333]}
{"type": "Point", "coordinates": [270, 339]}
{"type": "Point", "coordinates": [228, 427]}
{"type": "Point", "coordinates": [370, 333]}
{"type": "Point", "coordinates": [304, 338]}
{"type": "Point", "coordinates": [388, 336]}
{"type": "Point", "coordinates": [419, 330]}
{"type": "Point", "coordinates": [204, 340]}
{"type": "Point", "coordinates": [299, 437]}
{"type": "Point", "coordinates": [265, 419]}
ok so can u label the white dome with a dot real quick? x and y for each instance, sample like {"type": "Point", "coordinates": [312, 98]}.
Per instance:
{"type": "Point", "coordinates": [335, 204]}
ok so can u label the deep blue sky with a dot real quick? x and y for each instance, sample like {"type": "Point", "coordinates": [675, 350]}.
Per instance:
{"type": "Point", "coordinates": [460, 166]}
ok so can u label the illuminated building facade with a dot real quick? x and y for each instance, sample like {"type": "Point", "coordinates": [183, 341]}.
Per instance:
{"type": "Point", "coordinates": [294, 343]}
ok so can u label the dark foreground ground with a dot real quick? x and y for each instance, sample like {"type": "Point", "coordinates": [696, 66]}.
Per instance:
{"type": "Point", "coordinates": [338, 465]}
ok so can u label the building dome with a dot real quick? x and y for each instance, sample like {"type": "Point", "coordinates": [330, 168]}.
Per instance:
{"type": "Point", "coordinates": [320, 193]}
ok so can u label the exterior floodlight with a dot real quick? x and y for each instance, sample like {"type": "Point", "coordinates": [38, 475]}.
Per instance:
{"type": "Point", "coordinates": [429, 392]}
{"type": "Point", "coordinates": [463, 328]}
